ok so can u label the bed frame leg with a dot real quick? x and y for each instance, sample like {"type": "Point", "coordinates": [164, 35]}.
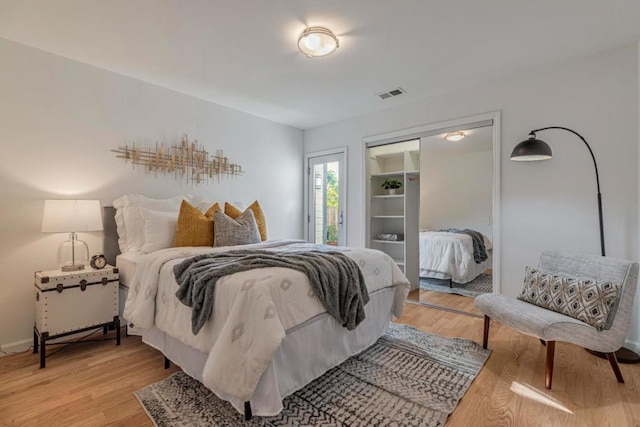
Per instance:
{"type": "Point", "coordinates": [167, 363]}
{"type": "Point", "coordinates": [247, 411]}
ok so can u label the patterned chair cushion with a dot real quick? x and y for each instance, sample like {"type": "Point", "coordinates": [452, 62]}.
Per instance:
{"type": "Point", "coordinates": [588, 300]}
{"type": "Point", "coordinates": [242, 230]}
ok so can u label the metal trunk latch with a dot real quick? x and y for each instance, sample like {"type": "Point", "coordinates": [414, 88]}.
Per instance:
{"type": "Point", "coordinates": [83, 285]}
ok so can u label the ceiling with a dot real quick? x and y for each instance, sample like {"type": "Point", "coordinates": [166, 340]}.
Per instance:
{"type": "Point", "coordinates": [243, 54]}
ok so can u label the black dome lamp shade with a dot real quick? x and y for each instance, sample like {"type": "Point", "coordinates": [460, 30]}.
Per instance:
{"type": "Point", "coordinates": [531, 150]}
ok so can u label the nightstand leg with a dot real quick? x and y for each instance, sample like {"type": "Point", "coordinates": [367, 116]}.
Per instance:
{"type": "Point", "coordinates": [43, 348]}
{"type": "Point", "coordinates": [35, 341]}
{"type": "Point", "coordinates": [116, 323]}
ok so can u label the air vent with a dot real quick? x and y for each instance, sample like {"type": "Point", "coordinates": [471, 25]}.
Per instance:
{"type": "Point", "coordinates": [391, 93]}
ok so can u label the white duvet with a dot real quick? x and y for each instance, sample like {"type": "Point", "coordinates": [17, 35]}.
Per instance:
{"type": "Point", "coordinates": [252, 312]}
{"type": "Point", "coordinates": [450, 254]}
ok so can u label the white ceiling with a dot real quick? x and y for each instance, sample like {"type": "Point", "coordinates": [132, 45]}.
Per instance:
{"type": "Point", "coordinates": [243, 54]}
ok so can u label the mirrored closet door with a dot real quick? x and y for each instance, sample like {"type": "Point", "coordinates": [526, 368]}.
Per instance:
{"type": "Point", "coordinates": [430, 206]}
{"type": "Point", "coordinates": [455, 234]}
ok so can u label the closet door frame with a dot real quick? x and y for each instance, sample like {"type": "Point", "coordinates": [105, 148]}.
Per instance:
{"type": "Point", "coordinates": [493, 118]}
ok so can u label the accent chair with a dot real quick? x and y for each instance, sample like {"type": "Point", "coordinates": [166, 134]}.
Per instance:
{"type": "Point", "coordinates": [551, 326]}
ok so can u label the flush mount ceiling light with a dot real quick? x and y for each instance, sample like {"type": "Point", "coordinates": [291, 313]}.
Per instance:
{"type": "Point", "coordinates": [454, 136]}
{"type": "Point", "coordinates": [317, 41]}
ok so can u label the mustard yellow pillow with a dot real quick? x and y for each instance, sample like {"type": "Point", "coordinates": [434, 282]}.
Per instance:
{"type": "Point", "coordinates": [193, 227]}
{"type": "Point", "coordinates": [234, 212]}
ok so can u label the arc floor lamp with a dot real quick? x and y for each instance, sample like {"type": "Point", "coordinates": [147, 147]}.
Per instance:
{"type": "Point", "coordinates": [533, 149]}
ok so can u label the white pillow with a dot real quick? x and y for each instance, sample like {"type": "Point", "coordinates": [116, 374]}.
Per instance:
{"type": "Point", "coordinates": [201, 202]}
{"type": "Point", "coordinates": [159, 229]}
{"type": "Point", "coordinates": [129, 222]}
{"type": "Point", "coordinates": [148, 202]}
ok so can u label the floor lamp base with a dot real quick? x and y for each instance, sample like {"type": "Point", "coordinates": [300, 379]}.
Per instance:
{"type": "Point", "coordinates": [624, 355]}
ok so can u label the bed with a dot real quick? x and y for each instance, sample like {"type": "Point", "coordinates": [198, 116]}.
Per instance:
{"type": "Point", "coordinates": [276, 358]}
{"type": "Point", "coordinates": [445, 255]}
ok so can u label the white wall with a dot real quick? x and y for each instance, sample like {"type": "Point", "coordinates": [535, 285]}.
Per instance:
{"type": "Point", "coordinates": [545, 205]}
{"type": "Point", "coordinates": [60, 118]}
{"type": "Point", "coordinates": [456, 191]}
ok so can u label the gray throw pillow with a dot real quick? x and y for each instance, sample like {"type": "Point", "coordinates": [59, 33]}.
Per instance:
{"type": "Point", "coordinates": [588, 300]}
{"type": "Point", "coordinates": [232, 232]}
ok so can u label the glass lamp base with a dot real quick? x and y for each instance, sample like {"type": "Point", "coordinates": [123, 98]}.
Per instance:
{"type": "Point", "coordinates": [73, 254]}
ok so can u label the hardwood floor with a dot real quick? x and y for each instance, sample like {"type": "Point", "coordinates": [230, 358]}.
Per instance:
{"type": "Point", "coordinates": [92, 384]}
{"type": "Point", "coordinates": [509, 391]}
{"type": "Point", "coordinates": [456, 302]}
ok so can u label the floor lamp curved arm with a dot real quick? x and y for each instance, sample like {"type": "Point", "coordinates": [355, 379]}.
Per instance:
{"type": "Point", "coordinates": [595, 164]}
{"type": "Point", "coordinates": [534, 149]}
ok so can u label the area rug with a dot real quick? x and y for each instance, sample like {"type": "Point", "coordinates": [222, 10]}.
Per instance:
{"type": "Point", "coordinates": [480, 285]}
{"type": "Point", "coordinates": [407, 378]}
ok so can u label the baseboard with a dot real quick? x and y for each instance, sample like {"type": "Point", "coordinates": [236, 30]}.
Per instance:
{"type": "Point", "coordinates": [632, 345]}
{"type": "Point", "coordinates": [15, 347]}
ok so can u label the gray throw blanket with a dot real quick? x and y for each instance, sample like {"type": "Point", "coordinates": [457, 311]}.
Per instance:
{"type": "Point", "coordinates": [335, 278]}
{"type": "Point", "coordinates": [479, 249]}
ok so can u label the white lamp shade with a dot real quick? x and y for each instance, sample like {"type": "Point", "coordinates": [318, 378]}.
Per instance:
{"type": "Point", "coordinates": [68, 216]}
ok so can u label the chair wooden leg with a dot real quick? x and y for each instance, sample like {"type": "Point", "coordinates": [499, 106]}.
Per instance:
{"type": "Point", "coordinates": [614, 365]}
{"type": "Point", "coordinates": [485, 336]}
{"type": "Point", "coordinates": [548, 377]}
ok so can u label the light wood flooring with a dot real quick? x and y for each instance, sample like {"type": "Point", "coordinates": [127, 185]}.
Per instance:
{"type": "Point", "coordinates": [91, 384]}
{"type": "Point", "coordinates": [456, 302]}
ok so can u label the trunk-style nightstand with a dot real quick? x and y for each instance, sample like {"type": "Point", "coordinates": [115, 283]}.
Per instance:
{"type": "Point", "coordinates": [76, 301]}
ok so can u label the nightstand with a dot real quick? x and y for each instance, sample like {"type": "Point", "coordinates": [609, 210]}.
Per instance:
{"type": "Point", "coordinates": [71, 302]}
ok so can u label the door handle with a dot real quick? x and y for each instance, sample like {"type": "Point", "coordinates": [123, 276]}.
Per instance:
{"type": "Point", "coordinates": [340, 219]}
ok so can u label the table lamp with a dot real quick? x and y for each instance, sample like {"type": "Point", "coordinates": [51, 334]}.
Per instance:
{"type": "Point", "coordinates": [71, 216]}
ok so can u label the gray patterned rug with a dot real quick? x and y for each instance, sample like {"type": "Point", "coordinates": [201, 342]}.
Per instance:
{"type": "Point", "coordinates": [480, 285]}
{"type": "Point", "coordinates": [407, 378]}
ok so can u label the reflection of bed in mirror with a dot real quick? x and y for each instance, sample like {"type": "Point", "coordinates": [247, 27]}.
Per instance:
{"type": "Point", "coordinates": [449, 256]}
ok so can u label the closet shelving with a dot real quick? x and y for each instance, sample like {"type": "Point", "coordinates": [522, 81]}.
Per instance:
{"type": "Point", "coordinates": [395, 213]}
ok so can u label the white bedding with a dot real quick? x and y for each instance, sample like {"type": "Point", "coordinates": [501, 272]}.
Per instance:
{"type": "Point", "coordinates": [308, 351]}
{"type": "Point", "coordinates": [253, 310]}
{"type": "Point", "coordinates": [446, 255]}
{"type": "Point", "coordinates": [127, 264]}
